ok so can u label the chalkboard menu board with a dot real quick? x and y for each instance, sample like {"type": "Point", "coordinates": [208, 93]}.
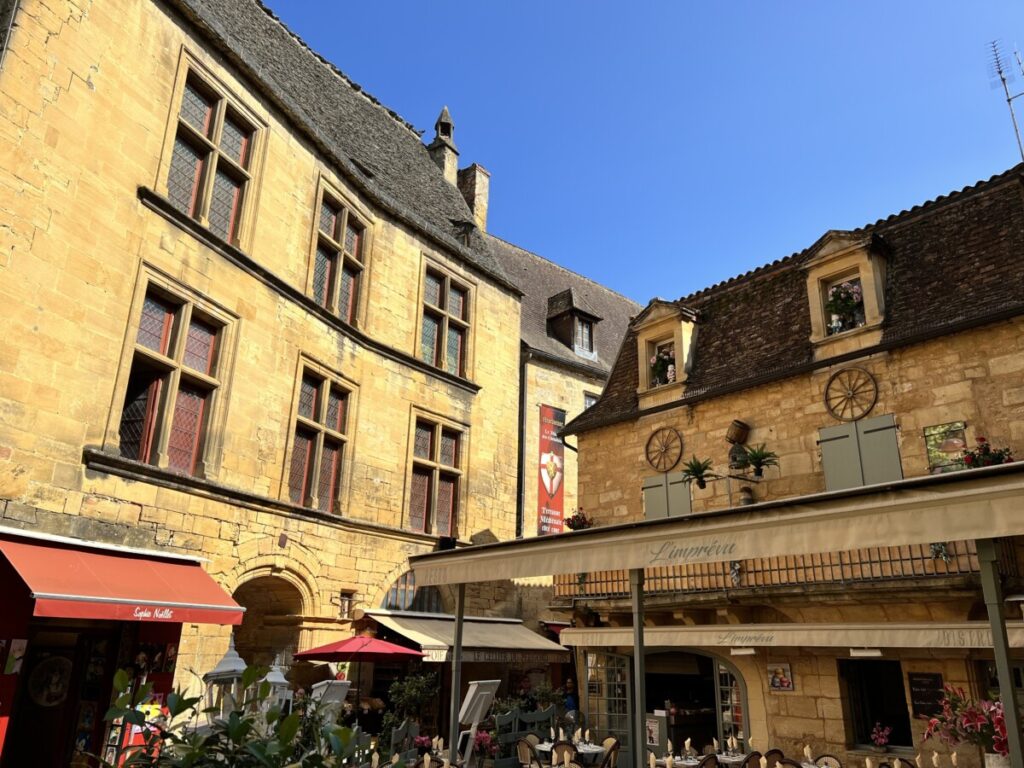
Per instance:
{"type": "Point", "coordinates": [925, 693]}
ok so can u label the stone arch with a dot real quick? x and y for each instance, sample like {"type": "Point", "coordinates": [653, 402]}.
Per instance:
{"type": "Point", "coordinates": [296, 566]}
{"type": "Point", "coordinates": [271, 628]}
{"type": "Point", "coordinates": [385, 585]}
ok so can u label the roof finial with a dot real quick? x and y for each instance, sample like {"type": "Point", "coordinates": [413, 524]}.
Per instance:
{"type": "Point", "coordinates": [444, 128]}
{"type": "Point", "coordinates": [442, 149]}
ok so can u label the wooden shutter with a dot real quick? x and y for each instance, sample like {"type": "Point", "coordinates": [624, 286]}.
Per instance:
{"type": "Point", "coordinates": [840, 457]}
{"type": "Point", "coordinates": [678, 492]}
{"type": "Point", "coordinates": [879, 450]}
{"type": "Point", "coordinates": [655, 498]}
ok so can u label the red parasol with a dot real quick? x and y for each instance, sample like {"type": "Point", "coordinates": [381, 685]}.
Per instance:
{"type": "Point", "coordinates": [359, 648]}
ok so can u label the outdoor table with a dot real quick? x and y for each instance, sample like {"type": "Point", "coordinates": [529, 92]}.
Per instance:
{"type": "Point", "coordinates": [689, 762]}
{"type": "Point", "coordinates": [732, 759]}
{"type": "Point", "coordinates": [589, 753]}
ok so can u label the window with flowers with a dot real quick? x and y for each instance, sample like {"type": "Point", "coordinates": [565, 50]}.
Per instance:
{"type": "Point", "coordinates": [662, 363]}
{"type": "Point", "coordinates": [844, 305]}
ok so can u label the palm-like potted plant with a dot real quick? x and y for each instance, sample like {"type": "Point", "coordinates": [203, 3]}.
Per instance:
{"type": "Point", "coordinates": [759, 457]}
{"type": "Point", "coordinates": [697, 471]}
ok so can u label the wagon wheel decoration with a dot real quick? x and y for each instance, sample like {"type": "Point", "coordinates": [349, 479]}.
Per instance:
{"type": "Point", "coordinates": [664, 449]}
{"type": "Point", "coordinates": [851, 394]}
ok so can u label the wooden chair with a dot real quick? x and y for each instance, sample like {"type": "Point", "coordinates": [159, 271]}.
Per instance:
{"type": "Point", "coordinates": [533, 738]}
{"type": "Point", "coordinates": [709, 749]}
{"type": "Point", "coordinates": [773, 756]}
{"type": "Point", "coordinates": [709, 761]}
{"type": "Point", "coordinates": [785, 761]}
{"type": "Point", "coordinates": [753, 760]}
{"type": "Point", "coordinates": [560, 749]}
{"type": "Point", "coordinates": [527, 754]}
{"type": "Point", "coordinates": [831, 761]}
{"type": "Point", "coordinates": [611, 752]}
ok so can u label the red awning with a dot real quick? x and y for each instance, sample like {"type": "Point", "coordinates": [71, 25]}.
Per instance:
{"type": "Point", "coordinates": [72, 581]}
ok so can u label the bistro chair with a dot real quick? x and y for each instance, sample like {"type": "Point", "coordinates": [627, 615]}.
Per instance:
{"type": "Point", "coordinates": [560, 749]}
{"type": "Point", "coordinates": [885, 765]}
{"type": "Point", "coordinates": [709, 761]}
{"type": "Point", "coordinates": [527, 754]}
{"type": "Point", "coordinates": [773, 756]}
{"type": "Point", "coordinates": [753, 760]}
{"type": "Point", "coordinates": [611, 752]}
{"type": "Point", "coordinates": [831, 761]}
{"type": "Point", "coordinates": [533, 738]}
{"type": "Point", "coordinates": [709, 749]}
{"type": "Point", "coordinates": [790, 763]}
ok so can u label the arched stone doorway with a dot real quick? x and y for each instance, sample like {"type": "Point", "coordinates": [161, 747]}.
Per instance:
{"type": "Point", "coordinates": [272, 623]}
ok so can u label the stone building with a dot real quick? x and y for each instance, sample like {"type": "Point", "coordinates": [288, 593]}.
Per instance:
{"type": "Point", "coordinates": [873, 357]}
{"type": "Point", "coordinates": [254, 340]}
{"type": "Point", "coordinates": [571, 329]}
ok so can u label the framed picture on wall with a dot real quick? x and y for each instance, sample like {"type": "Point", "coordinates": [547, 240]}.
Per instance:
{"type": "Point", "coordinates": [780, 677]}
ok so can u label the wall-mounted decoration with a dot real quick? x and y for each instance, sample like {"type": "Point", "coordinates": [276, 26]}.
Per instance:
{"type": "Point", "coordinates": [944, 444]}
{"type": "Point", "coordinates": [851, 393]}
{"type": "Point", "coordinates": [780, 678]}
{"type": "Point", "coordinates": [550, 492]}
{"type": "Point", "coordinates": [664, 449]}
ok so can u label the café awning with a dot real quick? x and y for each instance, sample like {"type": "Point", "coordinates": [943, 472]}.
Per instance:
{"type": "Point", "coordinates": [72, 579]}
{"type": "Point", "coordinates": [483, 640]}
{"type": "Point", "coordinates": [986, 502]}
{"type": "Point", "coordinates": [972, 634]}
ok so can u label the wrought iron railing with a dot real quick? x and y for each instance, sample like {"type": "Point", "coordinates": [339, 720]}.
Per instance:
{"type": "Point", "coordinates": [873, 564]}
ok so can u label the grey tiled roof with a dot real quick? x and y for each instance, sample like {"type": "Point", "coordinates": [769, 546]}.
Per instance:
{"type": "Point", "coordinates": [952, 263]}
{"type": "Point", "coordinates": [380, 154]}
{"type": "Point", "coordinates": [539, 280]}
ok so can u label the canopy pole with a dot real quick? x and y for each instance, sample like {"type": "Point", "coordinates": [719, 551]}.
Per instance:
{"type": "Point", "coordinates": [636, 592]}
{"type": "Point", "coordinates": [993, 592]}
{"type": "Point", "coordinates": [453, 726]}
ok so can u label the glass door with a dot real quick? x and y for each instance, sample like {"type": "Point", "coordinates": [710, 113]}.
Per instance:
{"type": "Point", "coordinates": [607, 703]}
{"type": "Point", "coordinates": [731, 712]}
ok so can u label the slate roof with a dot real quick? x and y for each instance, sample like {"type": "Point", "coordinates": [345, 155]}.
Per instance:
{"type": "Point", "coordinates": [539, 280]}
{"type": "Point", "coordinates": [380, 154]}
{"type": "Point", "coordinates": [952, 263]}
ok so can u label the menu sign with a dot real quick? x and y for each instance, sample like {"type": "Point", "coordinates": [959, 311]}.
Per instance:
{"type": "Point", "coordinates": [925, 693]}
{"type": "Point", "coordinates": [550, 493]}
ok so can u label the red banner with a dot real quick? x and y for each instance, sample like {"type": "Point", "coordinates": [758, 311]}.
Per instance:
{"type": "Point", "coordinates": [551, 474]}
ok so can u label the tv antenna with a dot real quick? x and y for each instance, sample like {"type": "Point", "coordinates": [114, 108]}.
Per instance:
{"type": "Point", "coordinates": [998, 68]}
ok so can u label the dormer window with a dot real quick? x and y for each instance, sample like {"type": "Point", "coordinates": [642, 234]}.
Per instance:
{"type": "Point", "coordinates": [584, 335]}
{"type": "Point", "coordinates": [665, 333]}
{"type": "Point", "coordinates": [571, 321]}
{"type": "Point", "coordinates": [846, 292]}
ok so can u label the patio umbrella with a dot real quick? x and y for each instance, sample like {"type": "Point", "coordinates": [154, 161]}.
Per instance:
{"type": "Point", "coordinates": [359, 648]}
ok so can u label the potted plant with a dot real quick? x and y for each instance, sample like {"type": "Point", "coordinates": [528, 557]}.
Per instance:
{"type": "Point", "coordinates": [845, 304]}
{"type": "Point", "coordinates": [985, 455]}
{"type": "Point", "coordinates": [697, 471]}
{"type": "Point", "coordinates": [485, 747]}
{"type": "Point", "coordinates": [759, 457]}
{"type": "Point", "coordinates": [880, 737]}
{"type": "Point", "coordinates": [663, 366]}
{"type": "Point", "coordinates": [980, 723]}
{"type": "Point", "coordinates": [578, 521]}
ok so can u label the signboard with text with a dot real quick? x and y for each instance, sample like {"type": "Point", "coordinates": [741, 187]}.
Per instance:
{"type": "Point", "coordinates": [551, 472]}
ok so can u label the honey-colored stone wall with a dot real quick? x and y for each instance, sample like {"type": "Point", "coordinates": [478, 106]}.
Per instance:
{"type": "Point", "coordinates": [86, 98]}
{"type": "Point", "coordinates": [556, 386]}
{"type": "Point", "coordinates": [974, 376]}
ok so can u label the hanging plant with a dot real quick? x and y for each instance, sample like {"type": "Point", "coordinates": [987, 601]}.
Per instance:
{"type": "Point", "coordinates": [759, 457]}
{"type": "Point", "coordinates": [697, 471]}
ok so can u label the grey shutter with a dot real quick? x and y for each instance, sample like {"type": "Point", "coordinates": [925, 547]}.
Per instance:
{"type": "Point", "coordinates": [879, 450]}
{"type": "Point", "coordinates": [840, 457]}
{"type": "Point", "coordinates": [678, 495]}
{"type": "Point", "coordinates": [655, 498]}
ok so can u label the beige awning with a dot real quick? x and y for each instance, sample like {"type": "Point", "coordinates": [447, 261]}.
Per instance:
{"type": "Point", "coordinates": [974, 634]}
{"type": "Point", "coordinates": [490, 640]}
{"type": "Point", "coordinates": [981, 503]}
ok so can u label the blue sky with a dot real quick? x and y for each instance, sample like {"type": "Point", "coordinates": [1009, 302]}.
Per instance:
{"type": "Point", "coordinates": [660, 147]}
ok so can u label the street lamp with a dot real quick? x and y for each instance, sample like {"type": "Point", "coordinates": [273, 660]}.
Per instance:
{"type": "Point", "coordinates": [224, 683]}
{"type": "Point", "coordinates": [281, 694]}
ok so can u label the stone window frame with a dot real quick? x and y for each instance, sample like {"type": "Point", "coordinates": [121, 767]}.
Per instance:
{"type": "Point", "coordinates": [308, 366]}
{"type": "Point", "coordinates": [440, 425]}
{"type": "Point", "coordinates": [152, 281]}
{"type": "Point", "coordinates": [192, 70]}
{"type": "Point", "coordinates": [593, 397]}
{"type": "Point", "coordinates": [327, 190]}
{"type": "Point", "coordinates": [842, 257]}
{"type": "Point", "coordinates": [663, 323]}
{"type": "Point", "coordinates": [467, 324]}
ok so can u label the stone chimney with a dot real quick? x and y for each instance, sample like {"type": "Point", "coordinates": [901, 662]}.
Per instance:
{"type": "Point", "coordinates": [442, 149]}
{"type": "Point", "coordinates": [475, 186]}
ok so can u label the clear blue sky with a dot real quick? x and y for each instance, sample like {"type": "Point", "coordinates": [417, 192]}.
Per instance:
{"type": "Point", "coordinates": [660, 147]}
